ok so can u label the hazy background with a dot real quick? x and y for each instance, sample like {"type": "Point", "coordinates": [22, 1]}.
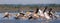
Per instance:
{"type": "Point", "coordinates": [29, 1]}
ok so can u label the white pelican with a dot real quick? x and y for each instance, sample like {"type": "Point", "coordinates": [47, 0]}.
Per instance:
{"type": "Point", "coordinates": [21, 16]}
{"type": "Point", "coordinates": [35, 15]}
{"type": "Point", "coordinates": [6, 15]}
{"type": "Point", "coordinates": [44, 14]}
{"type": "Point", "coordinates": [47, 16]}
{"type": "Point", "coordinates": [52, 15]}
{"type": "Point", "coordinates": [17, 16]}
{"type": "Point", "coordinates": [41, 13]}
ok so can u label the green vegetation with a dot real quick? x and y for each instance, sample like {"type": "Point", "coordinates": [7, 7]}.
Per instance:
{"type": "Point", "coordinates": [18, 7]}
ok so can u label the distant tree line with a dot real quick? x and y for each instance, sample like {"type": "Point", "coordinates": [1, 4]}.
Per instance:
{"type": "Point", "coordinates": [30, 6]}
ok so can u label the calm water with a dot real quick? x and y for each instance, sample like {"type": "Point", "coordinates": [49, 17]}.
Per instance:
{"type": "Point", "coordinates": [12, 20]}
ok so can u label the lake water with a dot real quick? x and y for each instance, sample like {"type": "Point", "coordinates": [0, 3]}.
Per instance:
{"type": "Point", "coordinates": [12, 20]}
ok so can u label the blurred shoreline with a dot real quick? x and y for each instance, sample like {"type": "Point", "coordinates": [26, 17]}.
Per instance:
{"type": "Point", "coordinates": [12, 8]}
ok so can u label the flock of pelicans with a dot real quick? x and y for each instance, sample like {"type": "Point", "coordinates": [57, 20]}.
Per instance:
{"type": "Point", "coordinates": [34, 15]}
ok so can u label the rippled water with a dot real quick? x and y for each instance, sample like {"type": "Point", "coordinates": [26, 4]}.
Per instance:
{"type": "Point", "coordinates": [12, 20]}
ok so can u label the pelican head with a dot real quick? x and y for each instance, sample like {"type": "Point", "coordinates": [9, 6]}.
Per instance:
{"type": "Point", "coordinates": [6, 13]}
{"type": "Point", "coordinates": [50, 9]}
{"type": "Point", "coordinates": [18, 13]}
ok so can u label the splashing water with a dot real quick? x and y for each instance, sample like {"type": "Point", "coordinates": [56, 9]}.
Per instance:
{"type": "Point", "coordinates": [12, 20]}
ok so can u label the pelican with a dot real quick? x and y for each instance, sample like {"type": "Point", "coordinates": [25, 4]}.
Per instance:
{"type": "Point", "coordinates": [51, 14]}
{"type": "Point", "coordinates": [21, 16]}
{"type": "Point", "coordinates": [47, 16]}
{"type": "Point", "coordinates": [43, 14]}
{"type": "Point", "coordinates": [26, 16]}
{"type": "Point", "coordinates": [35, 15]}
{"type": "Point", "coordinates": [28, 13]}
{"type": "Point", "coordinates": [6, 15]}
{"type": "Point", "coordinates": [17, 16]}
